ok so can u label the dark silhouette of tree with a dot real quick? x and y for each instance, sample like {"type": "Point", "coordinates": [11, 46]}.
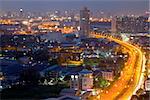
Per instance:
{"type": "Point", "coordinates": [134, 97]}
{"type": "Point", "coordinates": [67, 78]}
{"type": "Point", "coordinates": [41, 55]}
{"type": "Point", "coordinates": [42, 79]}
{"type": "Point", "coordinates": [53, 62]}
{"type": "Point", "coordinates": [30, 77]}
{"type": "Point", "coordinates": [88, 67]}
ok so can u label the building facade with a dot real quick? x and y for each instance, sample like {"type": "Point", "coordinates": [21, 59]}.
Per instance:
{"type": "Point", "coordinates": [108, 75]}
{"type": "Point", "coordinates": [130, 24]}
{"type": "Point", "coordinates": [83, 81]}
{"type": "Point", "coordinates": [147, 84]}
{"type": "Point", "coordinates": [84, 23]}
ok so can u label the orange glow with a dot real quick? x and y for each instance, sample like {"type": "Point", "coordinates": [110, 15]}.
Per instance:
{"type": "Point", "coordinates": [7, 22]}
{"type": "Point", "coordinates": [132, 72]}
{"type": "Point", "coordinates": [67, 30]}
{"type": "Point", "coordinates": [9, 48]}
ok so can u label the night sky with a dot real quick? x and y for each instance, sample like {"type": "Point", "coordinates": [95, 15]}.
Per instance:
{"type": "Point", "coordinates": [109, 6]}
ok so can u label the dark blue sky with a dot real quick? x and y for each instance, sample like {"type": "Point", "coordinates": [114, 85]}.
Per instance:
{"type": "Point", "coordinates": [110, 6]}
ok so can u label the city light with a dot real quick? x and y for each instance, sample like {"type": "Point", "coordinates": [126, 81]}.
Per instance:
{"type": "Point", "coordinates": [75, 50]}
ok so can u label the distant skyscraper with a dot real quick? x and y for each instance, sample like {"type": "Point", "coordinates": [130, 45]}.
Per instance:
{"type": "Point", "coordinates": [21, 12]}
{"type": "Point", "coordinates": [84, 23]}
{"type": "Point", "coordinates": [113, 25]}
{"type": "Point", "coordinates": [132, 24]}
{"type": "Point", "coordinates": [57, 13]}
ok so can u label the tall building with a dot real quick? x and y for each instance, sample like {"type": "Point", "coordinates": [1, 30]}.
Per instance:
{"type": "Point", "coordinates": [20, 12]}
{"type": "Point", "coordinates": [84, 23]}
{"type": "Point", "coordinates": [142, 25]}
{"type": "Point", "coordinates": [130, 24]}
{"type": "Point", "coordinates": [113, 25]}
{"type": "Point", "coordinates": [57, 13]}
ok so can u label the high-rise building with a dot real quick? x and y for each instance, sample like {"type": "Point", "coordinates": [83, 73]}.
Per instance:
{"type": "Point", "coordinates": [142, 25]}
{"type": "Point", "coordinates": [57, 13]}
{"type": "Point", "coordinates": [130, 24]}
{"type": "Point", "coordinates": [113, 25]}
{"type": "Point", "coordinates": [20, 12]}
{"type": "Point", "coordinates": [84, 23]}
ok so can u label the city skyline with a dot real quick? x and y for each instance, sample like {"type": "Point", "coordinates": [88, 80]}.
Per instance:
{"type": "Point", "coordinates": [117, 7]}
{"type": "Point", "coordinates": [75, 49]}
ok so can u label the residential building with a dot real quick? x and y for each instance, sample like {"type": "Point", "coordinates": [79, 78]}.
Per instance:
{"type": "Point", "coordinates": [130, 24]}
{"type": "Point", "coordinates": [108, 75]}
{"type": "Point", "coordinates": [82, 81]}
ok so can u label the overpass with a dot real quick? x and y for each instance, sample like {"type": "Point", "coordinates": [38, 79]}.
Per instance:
{"type": "Point", "coordinates": [131, 78]}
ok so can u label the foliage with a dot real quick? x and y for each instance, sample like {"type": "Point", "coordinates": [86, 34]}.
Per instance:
{"type": "Point", "coordinates": [31, 92]}
{"type": "Point", "coordinates": [101, 82]}
{"type": "Point", "coordinates": [30, 77]}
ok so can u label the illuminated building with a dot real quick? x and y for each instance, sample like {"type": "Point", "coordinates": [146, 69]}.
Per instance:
{"type": "Point", "coordinates": [84, 23]}
{"type": "Point", "coordinates": [86, 79]}
{"type": "Point", "coordinates": [142, 26]}
{"type": "Point", "coordinates": [9, 28]}
{"type": "Point", "coordinates": [147, 84]}
{"type": "Point", "coordinates": [100, 27]}
{"type": "Point", "coordinates": [74, 82]}
{"type": "Point", "coordinates": [57, 13]}
{"type": "Point", "coordinates": [82, 81]}
{"type": "Point", "coordinates": [108, 75]}
{"type": "Point", "coordinates": [21, 12]}
{"type": "Point", "coordinates": [53, 36]}
{"type": "Point", "coordinates": [70, 56]}
{"type": "Point", "coordinates": [113, 25]}
{"type": "Point", "coordinates": [132, 24]}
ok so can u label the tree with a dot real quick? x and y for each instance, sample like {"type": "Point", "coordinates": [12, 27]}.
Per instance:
{"type": "Point", "coordinates": [30, 77]}
{"type": "Point", "coordinates": [41, 55]}
{"type": "Point", "coordinates": [101, 82]}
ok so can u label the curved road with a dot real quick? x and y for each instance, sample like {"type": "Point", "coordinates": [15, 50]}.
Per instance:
{"type": "Point", "coordinates": [131, 76]}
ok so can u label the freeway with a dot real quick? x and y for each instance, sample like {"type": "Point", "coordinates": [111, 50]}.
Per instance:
{"type": "Point", "coordinates": [131, 76]}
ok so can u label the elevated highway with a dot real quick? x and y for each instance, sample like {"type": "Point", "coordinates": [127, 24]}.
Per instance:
{"type": "Point", "coordinates": [131, 77]}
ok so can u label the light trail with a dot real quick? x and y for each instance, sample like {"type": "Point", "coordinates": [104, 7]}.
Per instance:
{"type": "Point", "coordinates": [132, 77]}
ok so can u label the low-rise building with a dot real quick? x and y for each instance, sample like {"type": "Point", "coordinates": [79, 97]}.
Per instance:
{"type": "Point", "coordinates": [53, 36]}
{"type": "Point", "coordinates": [108, 75]}
{"type": "Point", "coordinates": [82, 81]}
{"type": "Point", "coordinates": [68, 92]}
{"type": "Point", "coordinates": [147, 84]}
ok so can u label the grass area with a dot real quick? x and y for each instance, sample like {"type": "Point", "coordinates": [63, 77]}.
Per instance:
{"type": "Point", "coordinates": [101, 83]}
{"type": "Point", "coordinates": [31, 92]}
{"type": "Point", "coordinates": [92, 62]}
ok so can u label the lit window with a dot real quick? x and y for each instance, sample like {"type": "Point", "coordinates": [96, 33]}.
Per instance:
{"type": "Point", "coordinates": [83, 18]}
{"type": "Point", "coordinates": [72, 76]}
{"type": "Point", "coordinates": [76, 77]}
